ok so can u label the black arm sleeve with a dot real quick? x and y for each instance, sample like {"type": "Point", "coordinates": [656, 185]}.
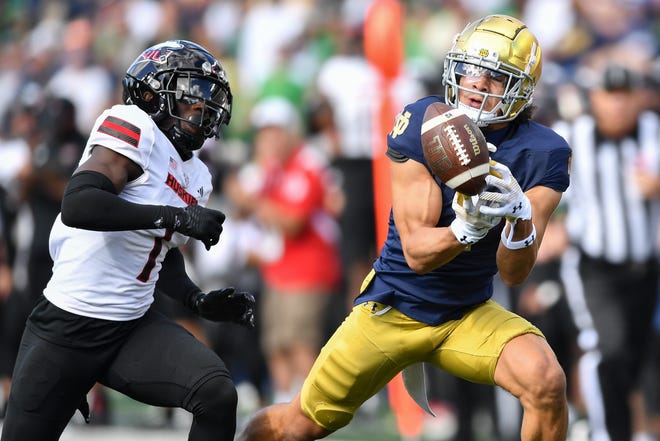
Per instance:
{"type": "Point", "coordinates": [90, 202]}
{"type": "Point", "coordinates": [173, 280]}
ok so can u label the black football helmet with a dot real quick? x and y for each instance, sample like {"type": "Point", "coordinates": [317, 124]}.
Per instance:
{"type": "Point", "coordinates": [180, 70]}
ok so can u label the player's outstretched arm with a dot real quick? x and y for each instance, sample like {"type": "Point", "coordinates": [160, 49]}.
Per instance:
{"type": "Point", "coordinates": [91, 202]}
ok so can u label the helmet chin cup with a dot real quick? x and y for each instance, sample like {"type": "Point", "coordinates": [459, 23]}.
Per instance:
{"type": "Point", "coordinates": [479, 116]}
{"type": "Point", "coordinates": [184, 142]}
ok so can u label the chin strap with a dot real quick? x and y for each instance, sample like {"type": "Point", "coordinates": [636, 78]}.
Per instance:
{"type": "Point", "coordinates": [183, 142]}
{"type": "Point", "coordinates": [477, 114]}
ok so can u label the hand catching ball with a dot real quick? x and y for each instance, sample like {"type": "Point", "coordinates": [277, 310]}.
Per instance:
{"type": "Point", "coordinates": [455, 149]}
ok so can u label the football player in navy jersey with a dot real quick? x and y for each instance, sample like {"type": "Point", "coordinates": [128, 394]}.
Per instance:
{"type": "Point", "coordinates": [428, 297]}
{"type": "Point", "coordinates": [138, 193]}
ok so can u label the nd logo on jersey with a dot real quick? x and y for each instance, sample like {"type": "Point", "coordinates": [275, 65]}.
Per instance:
{"type": "Point", "coordinates": [400, 124]}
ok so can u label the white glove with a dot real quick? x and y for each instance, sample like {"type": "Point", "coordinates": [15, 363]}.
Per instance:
{"type": "Point", "coordinates": [470, 225]}
{"type": "Point", "coordinates": [503, 196]}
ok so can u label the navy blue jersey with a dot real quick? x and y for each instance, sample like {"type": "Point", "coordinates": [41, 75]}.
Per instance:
{"type": "Point", "coordinates": [535, 154]}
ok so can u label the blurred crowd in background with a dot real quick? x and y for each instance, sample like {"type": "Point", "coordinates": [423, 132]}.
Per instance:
{"type": "Point", "coordinates": [296, 67]}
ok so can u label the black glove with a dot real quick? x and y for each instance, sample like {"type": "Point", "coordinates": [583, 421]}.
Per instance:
{"type": "Point", "coordinates": [225, 305]}
{"type": "Point", "coordinates": [201, 223]}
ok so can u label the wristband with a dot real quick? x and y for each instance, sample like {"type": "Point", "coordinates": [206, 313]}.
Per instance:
{"type": "Point", "coordinates": [508, 241]}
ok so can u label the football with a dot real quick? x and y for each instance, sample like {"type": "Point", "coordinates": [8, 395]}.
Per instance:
{"type": "Point", "coordinates": [455, 149]}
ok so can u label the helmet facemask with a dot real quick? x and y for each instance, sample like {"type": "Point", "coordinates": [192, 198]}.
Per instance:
{"type": "Point", "coordinates": [189, 89]}
{"type": "Point", "coordinates": [516, 96]}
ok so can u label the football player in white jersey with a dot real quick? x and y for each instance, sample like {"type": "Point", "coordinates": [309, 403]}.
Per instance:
{"type": "Point", "coordinates": [138, 193]}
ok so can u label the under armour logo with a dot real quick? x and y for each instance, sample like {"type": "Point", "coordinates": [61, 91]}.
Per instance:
{"type": "Point", "coordinates": [517, 207]}
{"type": "Point", "coordinates": [530, 240]}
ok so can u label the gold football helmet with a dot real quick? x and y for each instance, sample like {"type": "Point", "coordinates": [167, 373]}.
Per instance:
{"type": "Point", "coordinates": [503, 48]}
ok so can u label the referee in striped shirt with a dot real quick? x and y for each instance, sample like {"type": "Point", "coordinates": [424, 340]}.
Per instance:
{"type": "Point", "coordinates": [611, 269]}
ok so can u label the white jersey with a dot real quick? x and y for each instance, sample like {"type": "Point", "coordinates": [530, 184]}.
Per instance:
{"type": "Point", "coordinates": [111, 275]}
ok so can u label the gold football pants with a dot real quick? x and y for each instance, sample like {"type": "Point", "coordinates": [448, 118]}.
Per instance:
{"type": "Point", "coordinates": [375, 342]}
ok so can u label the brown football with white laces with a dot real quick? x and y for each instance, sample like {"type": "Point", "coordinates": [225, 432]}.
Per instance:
{"type": "Point", "coordinates": [455, 149]}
